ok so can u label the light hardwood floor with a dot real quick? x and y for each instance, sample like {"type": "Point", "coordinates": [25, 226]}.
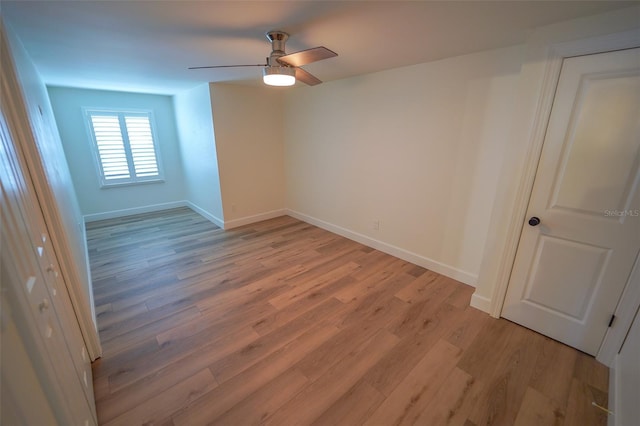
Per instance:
{"type": "Point", "coordinates": [282, 323]}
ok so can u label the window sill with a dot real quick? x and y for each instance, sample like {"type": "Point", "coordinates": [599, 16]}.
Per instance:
{"type": "Point", "coordinates": [123, 184]}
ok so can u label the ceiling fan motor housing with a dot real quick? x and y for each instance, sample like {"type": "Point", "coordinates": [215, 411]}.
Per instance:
{"type": "Point", "coordinates": [278, 40]}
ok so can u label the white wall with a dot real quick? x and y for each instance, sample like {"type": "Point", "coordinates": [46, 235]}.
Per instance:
{"type": "Point", "coordinates": [99, 203]}
{"type": "Point", "coordinates": [198, 151]}
{"type": "Point", "coordinates": [248, 125]}
{"type": "Point", "coordinates": [52, 179]}
{"type": "Point", "coordinates": [417, 148]}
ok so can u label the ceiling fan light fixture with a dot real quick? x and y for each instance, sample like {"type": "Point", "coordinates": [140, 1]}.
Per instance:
{"type": "Point", "coordinates": [279, 76]}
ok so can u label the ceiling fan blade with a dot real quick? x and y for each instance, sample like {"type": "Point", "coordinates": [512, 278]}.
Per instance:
{"type": "Point", "coordinates": [307, 56]}
{"type": "Point", "coordinates": [306, 77]}
{"type": "Point", "coordinates": [227, 66]}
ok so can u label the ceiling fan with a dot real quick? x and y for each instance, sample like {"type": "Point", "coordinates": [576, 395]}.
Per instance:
{"type": "Point", "coordinates": [283, 69]}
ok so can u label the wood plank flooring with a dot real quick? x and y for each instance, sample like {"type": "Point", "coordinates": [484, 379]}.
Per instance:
{"type": "Point", "coordinates": [283, 323]}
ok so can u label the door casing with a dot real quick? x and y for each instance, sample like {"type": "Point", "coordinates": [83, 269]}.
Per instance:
{"type": "Point", "coordinates": [546, 72]}
{"type": "Point", "coordinates": [16, 114]}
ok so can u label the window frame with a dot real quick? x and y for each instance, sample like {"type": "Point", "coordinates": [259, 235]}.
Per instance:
{"type": "Point", "coordinates": [121, 113]}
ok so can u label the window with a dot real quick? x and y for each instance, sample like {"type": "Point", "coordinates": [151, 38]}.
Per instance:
{"type": "Point", "coordinates": [125, 146]}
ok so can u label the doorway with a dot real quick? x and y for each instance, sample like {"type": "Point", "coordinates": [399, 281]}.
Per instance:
{"type": "Point", "coordinates": [582, 231]}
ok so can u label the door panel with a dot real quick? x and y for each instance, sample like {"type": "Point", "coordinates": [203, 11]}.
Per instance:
{"type": "Point", "coordinates": [581, 270]}
{"type": "Point", "coordinates": [570, 269]}
{"type": "Point", "coordinates": [596, 168]}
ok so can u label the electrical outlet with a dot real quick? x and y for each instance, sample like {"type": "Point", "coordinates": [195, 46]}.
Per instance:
{"type": "Point", "coordinates": [376, 225]}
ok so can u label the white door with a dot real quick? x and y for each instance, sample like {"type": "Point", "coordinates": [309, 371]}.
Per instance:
{"type": "Point", "coordinates": [40, 304]}
{"type": "Point", "coordinates": [572, 266]}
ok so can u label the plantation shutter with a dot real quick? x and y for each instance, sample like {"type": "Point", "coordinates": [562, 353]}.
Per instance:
{"type": "Point", "coordinates": [125, 146]}
{"type": "Point", "coordinates": [113, 158]}
{"type": "Point", "coordinates": [142, 148]}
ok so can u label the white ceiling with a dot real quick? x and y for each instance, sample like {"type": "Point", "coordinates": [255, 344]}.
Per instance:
{"type": "Point", "coordinates": [147, 46]}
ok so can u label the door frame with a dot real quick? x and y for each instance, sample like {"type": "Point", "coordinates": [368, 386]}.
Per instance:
{"type": "Point", "coordinates": [542, 73]}
{"type": "Point", "coordinates": [36, 368]}
{"type": "Point", "coordinates": [17, 119]}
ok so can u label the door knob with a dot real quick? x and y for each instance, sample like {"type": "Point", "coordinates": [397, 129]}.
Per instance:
{"type": "Point", "coordinates": [534, 221]}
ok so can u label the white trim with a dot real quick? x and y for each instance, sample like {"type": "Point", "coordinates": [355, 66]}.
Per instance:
{"type": "Point", "coordinates": [480, 302]}
{"type": "Point", "coordinates": [135, 210]}
{"type": "Point", "coordinates": [230, 224]}
{"type": "Point", "coordinates": [433, 265]}
{"type": "Point", "coordinates": [16, 108]}
{"type": "Point", "coordinates": [613, 399]}
{"type": "Point", "coordinates": [625, 313]}
{"type": "Point", "coordinates": [515, 221]}
{"type": "Point", "coordinates": [85, 245]}
{"type": "Point", "coordinates": [202, 212]}
{"type": "Point", "coordinates": [600, 44]}
{"type": "Point", "coordinates": [54, 369]}
{"type": "Point", "coordinates": [159, 207]}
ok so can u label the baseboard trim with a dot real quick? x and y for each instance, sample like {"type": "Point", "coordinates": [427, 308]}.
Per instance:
{"type": "Point", "coordinates": [95, 348]}
{"type": "Point", "coordinates": [441, 268]}
{"type": "Point", "coordinates": [480, 302]}
{"type": "Point", "coordinates": [398, 252]}
{"type": "Point", "coordinates": [136, 210]}
{"type": "Point", "coordinates": [202, 212]}
{"type": "Point", "coordinates": [230, 224]}
{"type": "Point", "coordinates": [184, 203]}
